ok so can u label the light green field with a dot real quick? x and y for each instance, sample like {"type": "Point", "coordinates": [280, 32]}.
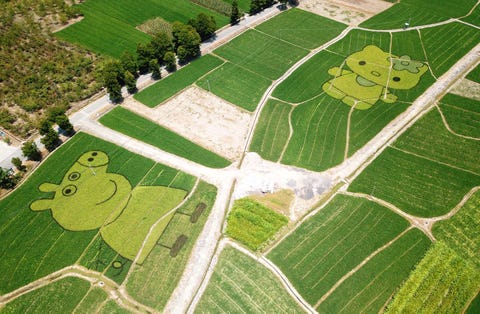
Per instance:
{"type": "Point", "coordinates": [236, 84]}
{"type": "Point", "coordinates": [63, 296]}
{"type": "Point", "coordinates": [243, 5]}
{"type": "Point", "coordinates": [313, 31]}
{"type": "Point", "coordinates": [462, 114]}
{"type": "Point", "coordinates": [446, 44]}
{"type": "Point", "coordinates": [319, 134]}
{"type": "Point", "coordinates": [175, 82]}
{"type": "Point", "coordinates": [260, 53]}
{"type": "Point", "coordinates": [239, 284]}
{"type": "Point", "coordinates": [461, 231]}
{"type": "Point", "coordinates": [252, 224]}
{"type": "Point", "coordinates": [442, 282]}
{"type": "Point", "coordinates": [334, 241]}
{"type": "Point", "coordinates": [272, 130]}
{"type": "Point", "coordinates": [108, 26]}
{"type": "Point", "coordinates": [371, 286]}
{"type": "Point", "coordinates": [418, 13]}
{"type": "Point", "coordinates": [32, 241]}
{"type": "Point", "coordinates": [153, 282]}
{"type": "Point", "coordinates": [127, 122]}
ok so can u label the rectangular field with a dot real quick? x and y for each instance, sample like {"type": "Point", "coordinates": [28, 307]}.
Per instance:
{"type": "Point", "coordinates": [260, 53]}
{"type": "Point", "coordinates": [272, 130]}
{"type": "Point", "coordinates": [125, 121]}
{"type": "Point", "coordinates": [461, 114]}
{"type": "Point", "coordinates": [175, 82]}
{"type": "Point", "coordinates": [109, 26]}
{"type": "Point", "coordinates": [333, 242]}
{"type": "Point", "coordinates": [313, 30]}
{"type": "Point", "coordinates": [239, 284]}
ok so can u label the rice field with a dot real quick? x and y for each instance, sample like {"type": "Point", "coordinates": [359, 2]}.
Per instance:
{"type": "Point", "coordinates": [462, 114]}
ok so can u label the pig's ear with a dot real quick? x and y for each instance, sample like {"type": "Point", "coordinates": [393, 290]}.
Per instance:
{"type": "Point", "coordinates": [42, 204]}
{"type": "Point", "coordinates": [48, 187]}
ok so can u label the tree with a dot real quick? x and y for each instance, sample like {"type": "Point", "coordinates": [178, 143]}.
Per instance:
{"type": "Point", "coordinates": [7, 180]}
{"type": "Point", "coordinates": [50, 140]}
{"type": "Point", "coordinates": [113, 87]}
{"type": "Point", "coordinates": [186, 41]}
{"type": "Point", "coordinates": [284, 3]}
{"type": "Point", "coordinates": [155, 69]}
{"type": "Point", "coordinates": [64, 124]}
{"type": "Point", "coordinates": [161, 43]}
{"type": "Point", "coordinates": [129, 63]}
{"type": "Point", "coordinates": [170, 61]}
{"type": "Point", "coordinates": [235, 13]}
{"type": "Point", "coordinates": [204, 25]}
{"type": "Point", "coordinates": [30, 151]}
{"type": "Point", "coordinates": [45, 126]}
{"type": "Point", "coordinates": [144, 55]}
{"type": "Point", "coordinates": [130, 82]}
{"type": "Point", "coordinates": [17, 162]}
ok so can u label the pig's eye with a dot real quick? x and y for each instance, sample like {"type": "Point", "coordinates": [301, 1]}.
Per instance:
{"type": "Point", "coordinates": [69, 190]}
{"type": "Point", "coordinates": [74, 176]}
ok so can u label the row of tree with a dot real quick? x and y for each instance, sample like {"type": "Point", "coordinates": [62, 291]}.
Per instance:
{"type": "Point", "coordinates": [164, 49]}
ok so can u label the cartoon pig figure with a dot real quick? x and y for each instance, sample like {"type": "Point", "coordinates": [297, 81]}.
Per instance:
{"type": "Point", "coordinates": [89, 198]}
{"type": "Point", "coordinates": [373, 72]}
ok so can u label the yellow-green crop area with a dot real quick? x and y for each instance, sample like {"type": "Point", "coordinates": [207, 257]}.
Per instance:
{"type": "Point", "coordinates": [240, 284]}
{"type": "Point", "coordinates": [104, 232]}
{"type": "Point", "coordinates": [109, 27]}
{"type": "Point", "coordinates": [335, 243]}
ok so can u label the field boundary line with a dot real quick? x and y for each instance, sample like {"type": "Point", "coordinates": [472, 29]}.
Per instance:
{"type": "Point", "coordinates": [432, 160]}
{"type": "Point", "coordinates": [417, 222]}
{"type": "Point", "coordinates": [347, 136]}
{"type": "Point", "coordinates": [468, 24]}
{"type": "Point", "coordinates": [290, 134]}
{"type": "Point", "coordinates": [285, 41]}
{"type": "Point", "coordinates": [447, 126]}
{"type": "Point", "coordinates": [356, 268]}
{"type": "Point", "coordinates": [425, 54]}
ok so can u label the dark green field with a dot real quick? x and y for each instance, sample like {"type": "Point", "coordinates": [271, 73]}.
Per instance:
{"type": "Point", "coordinates": [462, 114]}
{"type": "Point", "coordinates": [334, 241]}
{"type": "Point", "coordinates": [109, 25]}
{"type": "Point", "coordinates": [174, 83]}
{"type": "Point", "coordinates": [127, 122]}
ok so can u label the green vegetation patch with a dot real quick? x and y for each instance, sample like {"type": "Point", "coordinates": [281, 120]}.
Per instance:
{"type": "Point", "coordinates": [442, 282]}
{"type": "Point", "coordinates": [313, 30]}
{"type": "Point", "coordinates": [418, 13]}
{"type": "Point", "coordinates": [334, 241]}
{"type": "Point", "coordinates": [460, 232]}
{"type": "Point", "coordinates": [175, 82]}
{"type": "Point", "coordinates": [244, 5]}
{"type": "Point", "coordinates": [240, 284]}
{"type": "Point", "coordinates": [474, 75]}
{"type": "Point", "coordinates": [109, 26]}
{"type": "Point", "coordinates": [368, 289]}
{"type": "Point", "coordinates": [446, 44]}
{"type": "Point", "coordinates": [357, 39]}
{"type": "Point", "coordinates": [262, 54]}
{"type": "Point", "coordinates": [63, 296]}
{"type": "Point", "coordinates": [272, 130]}
{"type": "Point", "coordinates": [319, 134]}
{"type": "Point", "coordinates": [462, 114]}
{"type": "Point", "coordinates": [153, 282]}
{"type": "Point", "coordinates": [252, 224]}
{"type": "Point", "coordinates": [236, 84]}
{"type": "Point", "coordinates": [127, 122]}
{"type": "Point", "coordinates": [474, 306]}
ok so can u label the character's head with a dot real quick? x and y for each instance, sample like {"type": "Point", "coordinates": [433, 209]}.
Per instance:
{"type": "Point", "coordinates": [385, 69]}
{"type": "Point", "coordinates": [88, 196]}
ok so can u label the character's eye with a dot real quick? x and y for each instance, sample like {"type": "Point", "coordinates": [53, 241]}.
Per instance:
{"type": "Point", "coordinates": [94, 154]}
{"type": "Point", "coordinates": [73, 176]}
{"type": "Point", "coordinates": [362, 62]}
{"type": "Point", "coordinates": [396, 79]}
{"type": "Point", "coordinates": [69, 190]}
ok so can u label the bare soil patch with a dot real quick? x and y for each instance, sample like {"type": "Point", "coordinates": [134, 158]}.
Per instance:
{"type": "Point", "coordinates": [466, 88]}
{"type": "Point", "coordinates": [202, 118]}
{"type": "Point", "coordinates": [351, 12]}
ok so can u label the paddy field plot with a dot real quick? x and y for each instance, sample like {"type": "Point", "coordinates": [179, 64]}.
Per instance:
{"type": "Point", "coordinates": [445, 44]}
{"type": "Point", "coordinates": [368, 289]}
{"type": "Point", "coordinates": [442, 282]}
{"type": "Point", "coordinates": [239, 284]}
{"type": "Point", "coordinates": [131, 124]}
{"type": "Point", "coordinates": [62, 296]}
{"type": "Point", "coordinates": [474, 75]}
{"type": "Point", "coordinates": [153, 282]}
{"type": "Point", "coordinates": [253, 224]}
{"type": "Point", "coordinates": [336, 240]}
{"type": "Point", "coordinates": [109, 27]}
{"type": "Point", "coordinates": [418, 13]}
{"type": "Point", "coordinates": [474, 307]}
{"type": "Point", "coordinates": [243, 5]}
{"type": "Point", "coordinates": [460, 232]}
{"type": "Point", "coordinates": [357, 39]}
{"type": "Point", "coordinates": [177, 81]}
{"type": "Point", "coordinates": [33, 241]}
{"type": "Point", "coordinates": [461, 114]}
{"type": "Point", "coordinates": [474, 17]}
{"type": "Point", "coordinates": [202, 118]}
{"type": "Point", "coordinates": [311, 33]}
